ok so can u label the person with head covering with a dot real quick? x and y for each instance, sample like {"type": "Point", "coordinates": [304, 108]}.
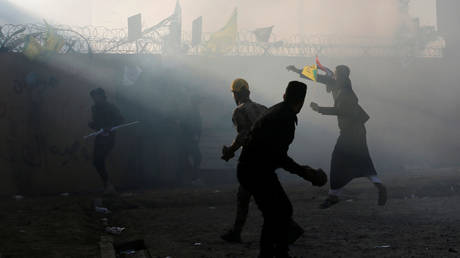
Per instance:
{"type": "Point", "coordinates": [244, 116]}
{"type": "Point", "coordinates": [105, 115]}
{"type": "Point", "coordinates": [350, 158]}
{"type": "Point", "coordinates": [266, 150]}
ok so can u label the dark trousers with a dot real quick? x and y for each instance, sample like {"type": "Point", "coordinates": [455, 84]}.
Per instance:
{"type": "Point", "coordinates": [242, 209]}
{"type": "Point", "coordinates": [274, 204]}
{"type": "Point", "coordinates": [102, 147]}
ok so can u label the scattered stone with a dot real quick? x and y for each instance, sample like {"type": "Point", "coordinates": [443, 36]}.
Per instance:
{"type": "Point", "coordinates": [114, 230]}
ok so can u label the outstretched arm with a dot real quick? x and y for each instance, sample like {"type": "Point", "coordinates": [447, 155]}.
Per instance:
{"type": "Point", "coordinates": [294, 69]}
{"type": "Point", "coordinates": [324, 79]}
{"type": "Point", "coordinates": [285, 136]}
{"type": "Point", "coordinates": [345, 106]}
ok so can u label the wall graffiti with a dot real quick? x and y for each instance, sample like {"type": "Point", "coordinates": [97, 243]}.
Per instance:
{"type": "Point", "coordinates": [33, 81]}
{"type": "Point", "coordinates": [72, 152]}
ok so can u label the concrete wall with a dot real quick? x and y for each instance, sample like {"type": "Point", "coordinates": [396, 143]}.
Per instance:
{"type": "Point", "coordinates": [45, 107]}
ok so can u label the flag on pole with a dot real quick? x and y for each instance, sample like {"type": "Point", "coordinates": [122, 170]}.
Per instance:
{"type": "Point", "coordinates": [54, 42]}
{"type": "Point", "coordinates": [224, 40]}
{"type": "Point", "coordinates": [32, 48]}
{"type": "Point", "coordinates": [197, 30]}
{"type": "Point", "coordinates": [175, 27]}
{"type": "Point", "coordinates": [263, 34]}
{"type": "Point", "coordinates": [310, 71]}
{"type": "Point", "coordinates": [323, 68]}
{"type": "Point", "coordinates": [135, 27]}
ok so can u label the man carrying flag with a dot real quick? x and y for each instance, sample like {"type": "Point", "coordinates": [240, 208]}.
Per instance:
{"type": "Point", "coordinates": [350, 158]}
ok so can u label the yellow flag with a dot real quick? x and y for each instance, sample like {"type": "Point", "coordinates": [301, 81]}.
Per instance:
{"type": "Point", "coordinates": [54, 42]}
{"type": "Point", "coordinates": [224, 40]}
{"type": "Point", "coordinates": [32, 48]}
{"type": "Point", "coordinates": [310, 72]}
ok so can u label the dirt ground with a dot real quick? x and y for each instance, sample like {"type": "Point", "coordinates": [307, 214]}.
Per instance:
{"type": "Point", "coordinates": [421, 219]}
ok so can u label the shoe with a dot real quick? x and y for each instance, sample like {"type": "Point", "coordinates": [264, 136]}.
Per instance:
{"type": "Point", "coordinates": [330, 200]}
{"type": "Point", "coordinates": [382, 194]}
{"type": "Point", "coordinates": [231, 236]}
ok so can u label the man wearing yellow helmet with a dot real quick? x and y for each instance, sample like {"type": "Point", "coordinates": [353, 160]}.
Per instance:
{"type": "Point", "coordinates": [245, 114]}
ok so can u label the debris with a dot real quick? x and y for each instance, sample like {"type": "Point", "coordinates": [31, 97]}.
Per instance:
{"type": "Point", "coordinates": [212, 207]}
{"type": "Point", "coordinates": [65, 194]}
{"type": "Point", "coordinates": [197, 244]}
{"type": "Point", "coordinates": [114, 230]}
{"type": "Point", "coordinates": [102, 210]}
{"type": "Point", "coordinates": [350, 200]}
{"type": "Point", "coordinates": [128, 252]}
{"type": "Point", "coordinates": [383, 246]}
{"type": "Point", "coordinates": [134, 248]}
{"type": "Point", "coordinates": [217, 191]}
{"type": "Point", "coordinates": [18, 197]}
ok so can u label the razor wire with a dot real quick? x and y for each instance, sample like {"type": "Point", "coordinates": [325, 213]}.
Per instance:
{"type": "Point", "coordinates": [103, 40]}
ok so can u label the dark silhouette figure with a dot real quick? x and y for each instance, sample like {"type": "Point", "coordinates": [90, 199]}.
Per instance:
{"type": "Point", "coordinates": [244, 116]}
{"type": "Point", "coordinates": [264, 152]}
{"type": "Point", "coordinates": [104, 116]}
{"type": "Point", "coordinates": [190, 126]}
{"type": "Point", "coordinates": [350, 158]}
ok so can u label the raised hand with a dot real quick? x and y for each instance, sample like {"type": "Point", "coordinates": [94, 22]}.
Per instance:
{"type": "Point", "coordinates": [314, 106]}
{"type": "Point", "coordinates": [292, 68]}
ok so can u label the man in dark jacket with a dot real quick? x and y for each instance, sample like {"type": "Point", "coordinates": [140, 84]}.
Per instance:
{"type": "Point", "coordinates": [105, 115]}
{"type": "Point", "coordinates": [350, 158]}
{"type": "Point", "coordinates": [265, 151]}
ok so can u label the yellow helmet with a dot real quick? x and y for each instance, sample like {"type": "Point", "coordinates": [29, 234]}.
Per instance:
{"type": "Point", "coordinates": [239, 84]}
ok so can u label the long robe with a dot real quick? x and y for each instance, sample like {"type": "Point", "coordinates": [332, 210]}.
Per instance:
{"type": "Point", "coordinates": [350, 158]}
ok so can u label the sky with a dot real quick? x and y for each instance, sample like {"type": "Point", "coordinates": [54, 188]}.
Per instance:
{"type": "Point", "coordinates": [289, 16]}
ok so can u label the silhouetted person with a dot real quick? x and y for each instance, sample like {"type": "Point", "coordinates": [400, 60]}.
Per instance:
{"type": "Point", "coordinates": [265, 151]}
{"type": "Point", "coordinates": [350, 158]}
{"type": "Point", "coordinates": [244, 116]}
{"type": "Point", "coordinates": [104, 116]}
